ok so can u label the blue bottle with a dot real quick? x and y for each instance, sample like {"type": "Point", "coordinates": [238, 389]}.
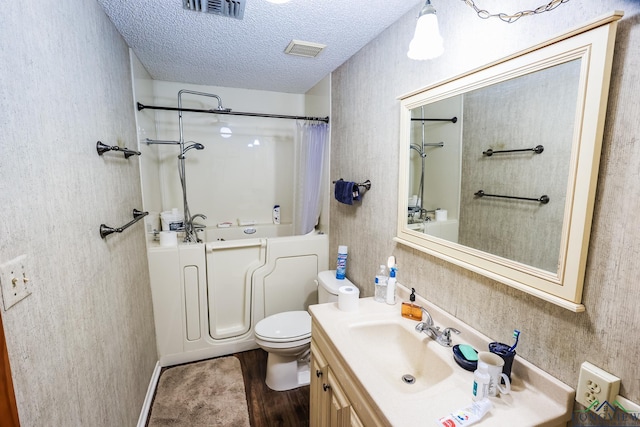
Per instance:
{"type": "Point", "coordinates": [341, 268]}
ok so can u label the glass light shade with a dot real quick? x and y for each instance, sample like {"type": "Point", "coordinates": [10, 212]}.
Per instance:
{"type": "Point", "coordinates": [427, 42]}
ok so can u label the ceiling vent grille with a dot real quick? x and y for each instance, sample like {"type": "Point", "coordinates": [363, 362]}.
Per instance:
{"type": "Point", "coordinates": [308, 49]}
{"type": "Point", "coordinates": [229, 8]}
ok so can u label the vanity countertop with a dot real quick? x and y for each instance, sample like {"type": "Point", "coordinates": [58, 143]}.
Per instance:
{"type": "Point", "coordinates": [536, 398]}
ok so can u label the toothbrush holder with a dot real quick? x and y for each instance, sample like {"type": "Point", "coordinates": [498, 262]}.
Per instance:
{"type": "Point", "coordinates": [507, 355]}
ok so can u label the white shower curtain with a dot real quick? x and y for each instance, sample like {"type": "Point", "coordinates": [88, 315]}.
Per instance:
{"type": "Point", "coordinates": [311, 139]}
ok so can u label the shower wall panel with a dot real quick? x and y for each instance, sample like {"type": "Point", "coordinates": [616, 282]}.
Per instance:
{"type": "Point", "coordinates": [247, 165]}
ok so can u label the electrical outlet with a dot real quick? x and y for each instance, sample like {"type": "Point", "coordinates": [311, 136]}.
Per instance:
{"type": "Point", "coordinates": [14, 281]}
{"type": "Point", "coordinates": [595, 387]}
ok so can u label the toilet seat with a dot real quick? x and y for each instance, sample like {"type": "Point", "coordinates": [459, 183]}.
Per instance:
{"type": "Point", "coordinates": [286, 327]}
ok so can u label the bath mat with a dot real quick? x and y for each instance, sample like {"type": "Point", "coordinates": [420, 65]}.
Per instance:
{"type": "Point", "coordinates": [207, 393]}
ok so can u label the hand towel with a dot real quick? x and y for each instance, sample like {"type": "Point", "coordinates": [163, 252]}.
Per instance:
{"type": "Point", "coordinates": [346, 192]}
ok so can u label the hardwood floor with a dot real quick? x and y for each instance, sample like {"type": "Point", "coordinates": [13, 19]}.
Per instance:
{"type": "Point", "coordinates": [268, 408]}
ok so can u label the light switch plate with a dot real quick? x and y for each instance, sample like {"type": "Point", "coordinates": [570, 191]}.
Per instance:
{"type": "Point", "coordinates": [14, 281]}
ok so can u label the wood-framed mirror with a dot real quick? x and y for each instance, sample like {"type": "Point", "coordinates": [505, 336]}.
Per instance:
{"type": "Point", "coordinates": [498, 166]}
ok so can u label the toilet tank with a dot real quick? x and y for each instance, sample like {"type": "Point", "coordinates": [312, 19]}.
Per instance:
{"type": "Point", "coordinates": [328, 286]}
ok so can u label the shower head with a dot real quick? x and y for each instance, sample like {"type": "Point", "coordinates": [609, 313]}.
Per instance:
{"type": "Point", "coordinates": [418, 149]}
{"type": "Point", "coordinates": [195, 145]}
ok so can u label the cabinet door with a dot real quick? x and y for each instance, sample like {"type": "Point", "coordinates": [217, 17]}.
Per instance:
{"type": "Point", "coordinates": [318, 401]}
{"type": "Point", "coordinates": [340, 407]}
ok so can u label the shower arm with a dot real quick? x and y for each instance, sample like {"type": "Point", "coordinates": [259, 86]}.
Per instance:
{"type": "Point", "coordinates": [192, 92]}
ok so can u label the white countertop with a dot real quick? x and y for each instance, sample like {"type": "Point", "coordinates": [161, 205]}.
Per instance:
{"type": "Point", "coordinates": [536, 398]}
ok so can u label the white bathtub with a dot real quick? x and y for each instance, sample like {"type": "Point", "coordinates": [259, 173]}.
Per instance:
{"type": "Point", "coordinates": [207, 297]}
{"type": "Point", "coordinates": [236, 232]}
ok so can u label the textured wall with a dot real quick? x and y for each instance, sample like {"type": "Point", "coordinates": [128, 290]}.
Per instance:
{"type": "Point", "coordinates": [365, 120]}
{"type": "Point", "coordinates": [82, 347]}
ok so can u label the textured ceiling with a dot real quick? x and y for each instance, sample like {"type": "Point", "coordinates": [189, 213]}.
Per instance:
{"type": "Point", "coordinates": [183, 46]}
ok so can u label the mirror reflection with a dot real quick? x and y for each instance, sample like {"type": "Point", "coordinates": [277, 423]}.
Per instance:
{"type": "Point", "coordinates": [481, 161]}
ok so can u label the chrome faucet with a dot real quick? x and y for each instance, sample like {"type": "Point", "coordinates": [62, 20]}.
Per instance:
{"type": "Point", "coordinates": [203, 216]}
{"type": "Point", "coordinates": [428, 327]}
{"type": "Point", "coordinates": [190, 229]}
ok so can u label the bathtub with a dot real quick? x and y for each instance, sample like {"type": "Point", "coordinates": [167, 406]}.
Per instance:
{"type": "Point", "coordinates": [208, 297]}
{"type": "Point", "coordinates": [235, 232]}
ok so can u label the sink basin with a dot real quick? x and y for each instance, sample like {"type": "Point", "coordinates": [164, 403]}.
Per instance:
{"type": "Point", "coordinates": [371, 349]}
{"type": "Point", "coordinates": [392, 350]}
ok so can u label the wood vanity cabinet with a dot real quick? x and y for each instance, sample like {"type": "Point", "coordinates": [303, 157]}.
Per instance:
{"type": "Point", "coordinates": [329, 405]}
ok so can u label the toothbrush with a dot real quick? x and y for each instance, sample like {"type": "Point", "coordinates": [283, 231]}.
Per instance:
{"type": "Point", "coordinates": [516, 335]}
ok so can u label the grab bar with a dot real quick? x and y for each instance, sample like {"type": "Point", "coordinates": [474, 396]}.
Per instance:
{"type": "Point", "coordinates": [102, 148]}
{"type": "Point", "coordinates": [537, 150]}
{"type": "Point", "coordinates": [231, 244]}
{"type": "Point", "coordinates": [137, 216]}
{"type": "Point", "coordinates": [542, 199]}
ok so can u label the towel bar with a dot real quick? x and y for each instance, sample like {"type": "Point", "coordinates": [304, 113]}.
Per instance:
{"type": "Point", "coordinates": [366, 184]}
{"type": "Point", "coordinates": [106, 230]}
{"type": "Point", "coordinates": [102, 148]}
{"type": "Point", "coordinates": [544, 199]}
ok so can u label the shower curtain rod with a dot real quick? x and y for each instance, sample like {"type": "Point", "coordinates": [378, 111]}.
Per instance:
{"type": "Point", "coordinates": [234, 113]}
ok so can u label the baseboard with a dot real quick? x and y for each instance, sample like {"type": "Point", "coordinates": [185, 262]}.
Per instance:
{"type": "Point", "coordinates": [146, 406]}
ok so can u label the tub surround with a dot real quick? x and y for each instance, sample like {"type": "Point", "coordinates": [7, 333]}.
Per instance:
{"type": "Point", "coordinates": [536, 398]}
{"type": "Point", "coordinates": [208, 297]}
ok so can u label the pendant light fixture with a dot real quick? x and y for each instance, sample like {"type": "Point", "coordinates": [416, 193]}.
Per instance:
{"type": "Point", "coordinates": [427, 42]}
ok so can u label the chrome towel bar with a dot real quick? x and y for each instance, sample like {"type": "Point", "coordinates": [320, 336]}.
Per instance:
{"type": "Point", "coordinates": [537, 150]}
{"type": "Point", "coordinates": [542, 199]}
{"type": "Point", "coordinates": [137, 216]}
{"type": "Point", "coordinates": [102, 148]}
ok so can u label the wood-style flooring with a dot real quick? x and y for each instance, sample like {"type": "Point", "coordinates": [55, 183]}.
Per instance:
{"type": "Point", "coordinates": [268, 408]}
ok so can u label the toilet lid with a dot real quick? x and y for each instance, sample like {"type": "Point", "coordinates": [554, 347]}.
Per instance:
{"type": "Point", "coordinates": [286, 326]}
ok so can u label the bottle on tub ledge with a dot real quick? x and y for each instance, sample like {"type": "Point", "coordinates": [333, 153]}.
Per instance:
{"type": "Point", "coordinates": [391, 283]}
{"type": "Point", "coordinates": [341, 267]}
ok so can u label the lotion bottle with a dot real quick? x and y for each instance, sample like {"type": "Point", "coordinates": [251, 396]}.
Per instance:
{"type": "Point", "coordinates": [391, 287]}
{"type": "Point", "coordinates": [481, 380]}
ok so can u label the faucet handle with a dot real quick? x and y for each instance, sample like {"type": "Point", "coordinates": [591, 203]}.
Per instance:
{"type": "Point", "coordinates": [447, 331]}
{"type": "Point", "coordinates": [445, 337]}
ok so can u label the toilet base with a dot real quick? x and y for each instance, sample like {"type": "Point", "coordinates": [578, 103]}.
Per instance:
{"type": "Point", "coordinates": [287, 372]}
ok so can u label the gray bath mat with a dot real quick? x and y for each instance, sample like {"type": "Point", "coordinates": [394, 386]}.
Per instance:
{"type": "Point", "coordinates": [207, 393]}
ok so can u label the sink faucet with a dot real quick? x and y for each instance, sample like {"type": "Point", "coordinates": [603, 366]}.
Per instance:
{"type": "Point", "coordinates": [428, 327]}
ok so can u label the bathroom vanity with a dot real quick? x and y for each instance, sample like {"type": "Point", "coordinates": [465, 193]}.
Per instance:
{"type": "Point", "coordinates": [359, 363]}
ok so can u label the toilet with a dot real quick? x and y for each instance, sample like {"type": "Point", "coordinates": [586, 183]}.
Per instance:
{"type": "Point", "coordinates": [286, 337]}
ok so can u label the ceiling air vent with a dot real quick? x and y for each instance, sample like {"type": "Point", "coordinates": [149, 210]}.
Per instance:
{"type": "Point", "coordinates": [308, 49]}
{"type": "Point", "coordinates": [230, 8]}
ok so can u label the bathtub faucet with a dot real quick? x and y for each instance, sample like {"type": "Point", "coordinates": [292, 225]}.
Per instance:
{"type": "Point", "coordinates": [190, 228]}
{"type": "Point", "coordinates": [203, 216]}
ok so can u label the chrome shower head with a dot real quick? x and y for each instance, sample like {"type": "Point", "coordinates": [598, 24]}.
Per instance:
{"type": "Point", "coordinates": [195, 145]}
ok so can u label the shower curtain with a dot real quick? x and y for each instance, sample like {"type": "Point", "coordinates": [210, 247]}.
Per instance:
{"type": "Point", "coordinates": [311, 139]}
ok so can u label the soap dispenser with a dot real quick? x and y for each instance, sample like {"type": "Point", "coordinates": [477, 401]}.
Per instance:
{"type": "Point", "coordinates": [410, 310]}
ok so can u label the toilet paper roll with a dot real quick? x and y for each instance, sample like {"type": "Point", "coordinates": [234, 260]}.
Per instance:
{"type": "Point", "coordinates": [348, 297]}
{"type": "Point", "coordinates": [168, 238]}
{"type": "Point", "coordinates": [441, 214]}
